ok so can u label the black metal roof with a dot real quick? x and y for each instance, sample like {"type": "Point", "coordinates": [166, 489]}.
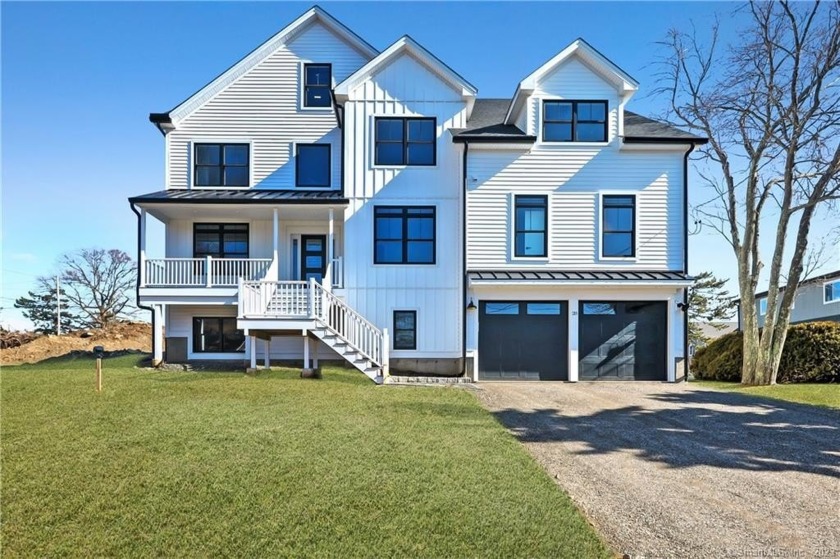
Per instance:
{"type": "Point", "coordinates": [241, 196]}
{"type": "Point", "coordinates": [594, 275]}
{"type": "Point", "coordinates": [486, 124]}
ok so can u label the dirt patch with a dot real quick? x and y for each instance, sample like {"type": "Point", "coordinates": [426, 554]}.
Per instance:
{"type": "Point", "coordinates": [118, 337]}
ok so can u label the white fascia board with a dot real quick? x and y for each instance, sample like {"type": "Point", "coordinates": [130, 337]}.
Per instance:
{"type": "Point", "coordinates": [264, 51]}
{"type": "Point", "coordinates": [596, 285]}
{"type": "Point", "coordinates": [406, 44]}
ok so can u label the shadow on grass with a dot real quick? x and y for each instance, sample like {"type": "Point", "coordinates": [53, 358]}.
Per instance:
{"type": "Point", "coordinates": [711, 428]}
{"type": "Point", "coordinates": [81, 359]}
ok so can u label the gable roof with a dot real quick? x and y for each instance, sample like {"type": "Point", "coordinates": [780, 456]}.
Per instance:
{"type": "Point", "coordinates": [314, 14]}
{"type": "Point", "coordinates": [403, 45]}
{"type": "Point", "coordinates": [487, 124]}
{"type": "Point", "coordinates": [606, 68]}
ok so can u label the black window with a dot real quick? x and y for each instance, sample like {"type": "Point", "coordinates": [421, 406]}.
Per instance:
{"type": "Point", "coordinates": [220, 240]}
{"type": "Point", "coordinates": [619, 224]}
{"type": "Point", "coordinates": [575, 121]}
{"type": "Point", "coordinates": [217, 335]}
{"type": "Point", "coordinates": [405, 141]}
{"type": "Point", "coordinates": [530, 237]}
{"type": "Point", "coordinates": [317, 81]}
{"type": "Point", "coordinates": [222, 164]}
{"type": "Point", "coordinates": [312, 165]}
{"type": "Point", "coordinates": [405, 329]}
{"type": "Point", "coordinates": [404, 235]}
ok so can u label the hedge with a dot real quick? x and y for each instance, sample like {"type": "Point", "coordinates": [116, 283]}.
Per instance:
{"type": "Point", "coordinates": [811, 354]}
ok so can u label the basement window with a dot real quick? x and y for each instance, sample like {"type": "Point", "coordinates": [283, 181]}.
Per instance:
{"type": "Point", "coordinates": [217, 335]}
{"type": "Point", "coordinates": [405, 329]}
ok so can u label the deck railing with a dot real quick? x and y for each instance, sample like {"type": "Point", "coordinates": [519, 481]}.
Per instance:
{"type": "Point", "coordinates": [202, 272]}
{"type": "Point", "coordinates": [309, 300]}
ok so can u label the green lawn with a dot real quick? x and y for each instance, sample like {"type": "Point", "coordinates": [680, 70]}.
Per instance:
{"type": "Point", "coordinates": [826, 395]}
{"type": "Point", "coordinates": [196, 464]}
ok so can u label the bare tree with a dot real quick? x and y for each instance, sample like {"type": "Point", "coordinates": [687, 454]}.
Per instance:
{"type": "Point", "coordinates": [97, 283]}
{"type": "Point", "coordinates": [770, 107]}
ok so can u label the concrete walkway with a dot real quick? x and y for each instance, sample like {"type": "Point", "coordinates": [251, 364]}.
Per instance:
{"type": "Point", "coordinates": [670, 470]}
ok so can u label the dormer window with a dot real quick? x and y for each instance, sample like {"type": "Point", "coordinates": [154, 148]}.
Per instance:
{"type": "Point", "coordinates": [574, 121]}
{"type": "Point", "coordinates": [317, 80]}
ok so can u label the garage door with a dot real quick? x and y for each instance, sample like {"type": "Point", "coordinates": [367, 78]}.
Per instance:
{"type": "Point", "coordinates": [523, 340]}
{"type": "Point", "coordinates": [623, 340]}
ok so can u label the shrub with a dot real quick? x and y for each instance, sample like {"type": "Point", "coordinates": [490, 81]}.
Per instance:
{"type": "Point", "coordinates": [811, 354]}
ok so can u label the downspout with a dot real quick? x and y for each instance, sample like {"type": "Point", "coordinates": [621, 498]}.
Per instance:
{"type": "Point", "coordinates": [686, 356]}
{"type": "Point", "coordinates": [464, 262]}
{"type": "Point", "coordinates": [137, 285]}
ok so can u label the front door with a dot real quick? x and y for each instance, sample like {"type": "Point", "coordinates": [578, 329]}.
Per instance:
{"type": "Point", "coordinates": [313, 257]}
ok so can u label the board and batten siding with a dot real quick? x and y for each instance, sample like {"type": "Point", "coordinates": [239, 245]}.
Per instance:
{"type": "Point", "coordinates": [405, 87]}
{"type": "Point", "coordinates": [263, 107]}
{"type": "Point", "coordinates": [572, 178]}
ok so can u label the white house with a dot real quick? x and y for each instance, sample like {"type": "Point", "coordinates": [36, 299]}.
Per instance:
{"type": "Point", "coordinates": [324, 200]}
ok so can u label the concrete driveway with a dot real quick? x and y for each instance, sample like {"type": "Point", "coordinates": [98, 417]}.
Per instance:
{"type": "Point", "coordinates": [670, 470]}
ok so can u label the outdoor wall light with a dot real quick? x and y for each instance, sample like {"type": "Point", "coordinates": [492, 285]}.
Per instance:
{"type": "Point", "coordinates": [682, 306]}
{"type": "Point", "coordinates": [471, 306]}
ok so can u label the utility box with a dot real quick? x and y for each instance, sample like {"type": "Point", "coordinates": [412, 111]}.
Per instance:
{"type": "Point", "coordinates": [176, 350]}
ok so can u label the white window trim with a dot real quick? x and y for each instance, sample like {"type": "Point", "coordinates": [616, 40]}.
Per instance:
{"type": "Point", "coordinates": [759, 301]}
{"type": "Point", "coordinates": [439, 130]}
{"type": "Point", "coordinates": [293, 162]}
{"type": "Point", "coordinates": [823, 291]}
{"type": "Point", "coordinates": [600, 221]}
{"type": "Point", "coordinates": [302, 101]}
{"type": "Point", "coordinates": [548, 143]}
{"type": "Point", "coordinates": [392, 331]}
{"type": "Point", "coordinates": [191, 145]}
{"type": "Point", "coordinates": [512, 228]}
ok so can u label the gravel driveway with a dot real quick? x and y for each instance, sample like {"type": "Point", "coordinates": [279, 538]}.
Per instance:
{"type": "Point", "coordinates": [670, 470]}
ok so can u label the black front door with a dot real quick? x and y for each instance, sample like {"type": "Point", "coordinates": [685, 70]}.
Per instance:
{"type": "Point", "coordinates": [313, 257]}
{"type": "Point", "coordinates": [523, 340]}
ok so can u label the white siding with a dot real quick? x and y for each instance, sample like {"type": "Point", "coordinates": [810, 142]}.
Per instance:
{"type": "Point", "coordinates": [405, 87]}
{"type": "Point", "coordinates": [572, 178]}
{"type": "Point", "coordinates": [263, 107]}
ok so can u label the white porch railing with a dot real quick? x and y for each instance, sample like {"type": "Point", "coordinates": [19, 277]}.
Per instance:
{"type": "Point", "coordinates": [309, 300]}
{"type": "Point", "coordinates": [338, 272]}
{"type": "Point", "coordinates": [202, 272]}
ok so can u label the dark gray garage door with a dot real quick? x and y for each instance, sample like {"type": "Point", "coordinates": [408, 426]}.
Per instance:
{"type": "Point", "coordinates": [523, 340]}
{"type": "Point", "coordinates": [623, 340]}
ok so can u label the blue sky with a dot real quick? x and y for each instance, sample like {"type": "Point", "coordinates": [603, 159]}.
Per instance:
{"type": "Point", "coordinates": [79, 79]}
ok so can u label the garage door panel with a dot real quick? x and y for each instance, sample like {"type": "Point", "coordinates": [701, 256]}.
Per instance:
{"type": "Point", "coordinates": [623, 340]}
{"type": "Point", "coordinates": [523, 340]}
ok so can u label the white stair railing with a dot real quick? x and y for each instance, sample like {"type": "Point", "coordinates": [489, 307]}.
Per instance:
{"type": "Point", "coordinates": [350, 326]}
{"type": "Point", "coordinates": [274, 299]}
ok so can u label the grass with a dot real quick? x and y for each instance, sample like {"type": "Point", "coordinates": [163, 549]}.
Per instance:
{"type": "Point", "coordinates": [824, 395]}
{"type": "Point", "coordinates": [197, 464]}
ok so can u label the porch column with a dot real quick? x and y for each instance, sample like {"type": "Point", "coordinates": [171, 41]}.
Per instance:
{"type": "Point", "coordinates": [267, 360]}
{"type": "Point", "coordinates": [574, 339]}
{"type": "Point", "coordinates": [305, 351]}
{"type": "Point", "coordinates": [253, 352]}
{"type": "Point", "coordinates": [142, 255]}
{"type": "Point", "coordinates": [315, 355]}
{"type": "Point", "coordinates": [275, 257]}
{"type": "Point", "coordinates": [328, 281]}
{"type": "Point", "coordinates": [157, 358]}
{"type": "Point", "coordinates": [671, 364]}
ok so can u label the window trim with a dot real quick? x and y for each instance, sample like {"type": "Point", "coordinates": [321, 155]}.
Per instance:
{"type": "Point", "coordinates": [404, 235]}
{"type": "Point", "coordinates": [302, 93]}
{"type": "Point", "coordinates": [394, 325]}
{"type": "Point", "coordinates": [574, 103]}
{"type": "Point", "coordinates": [758, 302]}
{"type": "Point", "coordinates": [635, 242]}
{"type": "Point", "coordinates": [195, 338]}
{"type": "Point", "coordinates": [192, 147]}
{"type": "Point", "coordinates": [221, 231]}
{"type": "Point", "coordinates": [296, 154]}
{"type": "Point", "coordinates": [546, 243]}
{"type": "Point", "coordinates": [405, 142]}
{"type": "Point", "coordinates": [837, 281]}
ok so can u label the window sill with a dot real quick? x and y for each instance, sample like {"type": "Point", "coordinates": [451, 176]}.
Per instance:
{"type": "Point", "coordinates": [618, 258]}
{"type": "Point", "coordinates": [325, 110]}
{"type": "Point", "coordinates": [535, 259]}
{"type": "Point", "coordinates": [545, 143]}
{"type": "Point", "coordinates": [194, 187]}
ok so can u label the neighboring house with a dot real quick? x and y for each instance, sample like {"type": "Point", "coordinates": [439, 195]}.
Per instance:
{"type": "Point", "coordinates": [817, 298]}
{"type": "Point", "coordinates": [326, 200]}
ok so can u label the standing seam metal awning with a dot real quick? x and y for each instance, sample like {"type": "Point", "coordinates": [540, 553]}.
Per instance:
{"type": "Point", "coordinates": [577, 276]}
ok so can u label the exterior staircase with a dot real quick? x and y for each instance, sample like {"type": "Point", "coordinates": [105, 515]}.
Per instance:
{"type": "Point", "coordinates": [279, 305]}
